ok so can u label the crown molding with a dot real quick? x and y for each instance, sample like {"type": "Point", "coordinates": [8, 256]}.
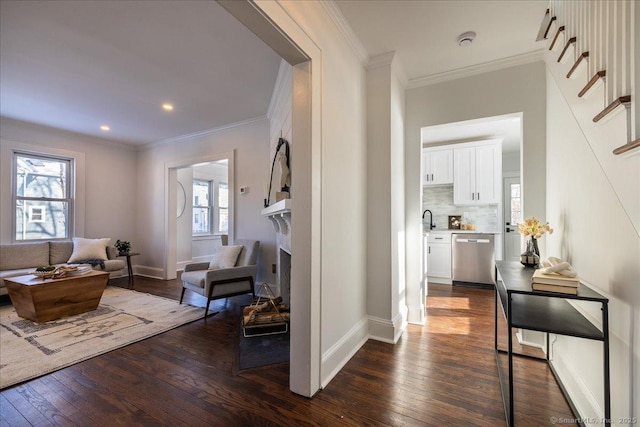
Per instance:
{"type": "Point", "coordinates": [284, 76]}
{"type": "Point", "coordinates": [525, 58]}
{"type": "Point", "coordinates": [345, 29]}
{"type": "Point", "coordinates": [382, 60]}
{"type": "Point", "coordinates": [202, 133]}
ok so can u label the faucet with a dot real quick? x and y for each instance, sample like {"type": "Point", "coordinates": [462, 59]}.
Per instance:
{"type": "Point", "coordinates": [431, 224]}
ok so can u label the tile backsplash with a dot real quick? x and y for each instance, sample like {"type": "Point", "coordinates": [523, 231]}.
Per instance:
{"type": "Point", "coordinates": [439, 200]}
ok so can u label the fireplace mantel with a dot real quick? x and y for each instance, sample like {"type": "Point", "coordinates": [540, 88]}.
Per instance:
{"type": "Point", "coordinates": [280, 216]}
{"type": "Point", "coordinates": [281, 207]}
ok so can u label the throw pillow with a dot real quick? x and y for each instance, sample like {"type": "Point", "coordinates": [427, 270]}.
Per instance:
{"type": "Point", "coordinates": [225, 257]}
{"type": "Point", "coordinates": [84, 249]}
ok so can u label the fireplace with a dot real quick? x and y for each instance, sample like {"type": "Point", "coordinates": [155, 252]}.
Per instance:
{"type": "Point", "coordinates": [280, 216]}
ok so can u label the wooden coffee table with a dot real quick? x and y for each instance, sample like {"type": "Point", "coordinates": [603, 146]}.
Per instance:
{"type": "Point", "coordinates": [41, 300]}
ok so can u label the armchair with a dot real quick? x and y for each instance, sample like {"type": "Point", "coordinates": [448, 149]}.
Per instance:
{"type": "Point", "coordinates": [223, 282]}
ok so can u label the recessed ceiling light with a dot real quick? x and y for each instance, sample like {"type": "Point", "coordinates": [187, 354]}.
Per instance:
{"type": "Point", "coordinates": [465, 39]}
{"type": "Point", "coordinates": [105, 128]}
{"type": "Point", "coordinates": [167, 107]}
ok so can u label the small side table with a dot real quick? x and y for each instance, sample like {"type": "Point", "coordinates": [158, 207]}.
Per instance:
{"type": "Point", "coordinates": [129, 269]}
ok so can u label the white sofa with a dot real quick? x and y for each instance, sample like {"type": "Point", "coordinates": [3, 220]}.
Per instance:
{"type": "Point", "coordinates": [21, 258]}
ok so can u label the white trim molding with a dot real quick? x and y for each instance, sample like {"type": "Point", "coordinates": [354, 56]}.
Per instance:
{"type": "Point", "coordinates": [525, 58]}
{"type": "Point", "coordinates": [345, 30]}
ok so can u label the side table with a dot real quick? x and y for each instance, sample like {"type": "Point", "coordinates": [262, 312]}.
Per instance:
{"type": "Point", "coordinates": [129, 269]}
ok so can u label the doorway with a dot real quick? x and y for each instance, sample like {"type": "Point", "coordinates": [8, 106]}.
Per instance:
{"type": "Point", "coordinates": [215, 169]}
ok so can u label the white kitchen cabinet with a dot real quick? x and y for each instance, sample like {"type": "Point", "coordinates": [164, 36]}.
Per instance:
{"type": "Point", "coordinates": [477, 173]}
{"type": "Point", "coordinates": [439, 256]}
{"type": "Point", "coordinates": [437, 166]}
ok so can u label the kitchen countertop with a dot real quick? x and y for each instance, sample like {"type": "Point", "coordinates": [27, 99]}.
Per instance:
{"type": "Point", "coordinates": [446, 231]}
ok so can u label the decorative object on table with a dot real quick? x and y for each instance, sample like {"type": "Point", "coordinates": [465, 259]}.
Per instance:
{"type": "Point", "coordinates": [556, 275]}
{"type": "Point", "coordinates": [533, 229]}
{"type": "Point", "coordinates": [285, 174]}
{"type": "Point", "coordinates": [454, 222]}
{"type": "Point", "coordinates": [122, 246]}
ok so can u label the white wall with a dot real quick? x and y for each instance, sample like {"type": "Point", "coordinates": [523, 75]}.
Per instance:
{"type": "Point", "coordinates": [511, 162]}
{"type": "Point", "coordinates": [106, 198]}
{"type": "Point", "coordinates": [249, 140]}
{"type": "Point", "coordinates": [342, 202]}
{"type": "Point", "coordinates": [595, 235]}
{"type": "Point", "coordinates": [510, 90]}
{"type": "Point", "coordinates": [386, 297]}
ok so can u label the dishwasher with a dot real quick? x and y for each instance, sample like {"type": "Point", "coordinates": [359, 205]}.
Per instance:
{"type": "Point", "coordinates": [472, 258]}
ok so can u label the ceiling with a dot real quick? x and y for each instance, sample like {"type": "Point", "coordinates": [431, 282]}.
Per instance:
{"type": "Point", "coordinates": [77, 65]}
{"type": "Point", "coordinates": [424, 33]}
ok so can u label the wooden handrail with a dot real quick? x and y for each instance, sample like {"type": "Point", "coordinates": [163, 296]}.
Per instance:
{"type": "Point", "coordinates": [546, 33]}
{"type": "Point", "coordinates": [599, 75]}
{"type": "Point", "coordinates": [566, 47]}
{"type": "Point", "coordinates": [627, 147]}
{"type": "Point", "coordinates": [615, 104]}
{"type": "Point", "coordinates": [555, 38]}
{"type": "Point", "coordinates": [582, 56]}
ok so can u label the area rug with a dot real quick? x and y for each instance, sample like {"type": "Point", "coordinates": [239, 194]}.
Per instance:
{"type": "Point", "coordinates": [263, 350]}
{"type": "Point", "coordinates": [29, 350]}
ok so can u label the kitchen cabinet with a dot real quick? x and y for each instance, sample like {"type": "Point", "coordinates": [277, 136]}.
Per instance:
{"type": "Point", "coordinates": [439, 256]}
{"type": "Point", "coordinates": [437, 166]}
{"type": "Point", "coordinates": [477, 173]}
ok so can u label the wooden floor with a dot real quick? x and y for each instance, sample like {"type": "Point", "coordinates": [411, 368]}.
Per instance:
{"type": "Point", "coordinates": [441, 374]}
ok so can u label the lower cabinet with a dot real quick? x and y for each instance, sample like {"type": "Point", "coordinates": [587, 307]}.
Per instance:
{"type": "Point", "coordinates": [439, 257]}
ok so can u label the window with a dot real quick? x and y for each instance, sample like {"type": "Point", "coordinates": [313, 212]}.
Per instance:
{"type": "Point", "coordinates": [42, 197]}
{"type": "Point", "coordinates": [223, 208]}
{"type": "Point", "coordinates": [202, 206]}
{"type": "Point", "coordinates": [516, 204]}
{"type": "Point", "coordinates": [210, 207]}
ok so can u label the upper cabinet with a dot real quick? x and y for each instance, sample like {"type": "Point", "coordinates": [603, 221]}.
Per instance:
{"type": "Point", "coordinates": [477, 173]}
{"type": "Point", "coordinates": [437, 166]}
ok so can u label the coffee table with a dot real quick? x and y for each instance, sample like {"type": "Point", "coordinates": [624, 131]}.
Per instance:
{"type": "Point", "coordinates": [41, 300]}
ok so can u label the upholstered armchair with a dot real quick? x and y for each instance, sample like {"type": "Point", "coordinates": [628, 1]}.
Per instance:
{"type": "Point", "coordinates": [231, 272]}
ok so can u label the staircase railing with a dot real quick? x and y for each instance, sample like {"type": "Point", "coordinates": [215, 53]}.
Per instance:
{"type": "Point", "coordinates": [601, 32]}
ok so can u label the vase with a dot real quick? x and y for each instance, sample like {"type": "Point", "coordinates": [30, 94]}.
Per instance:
{"type": "Point", "coordinates": [531, 256]}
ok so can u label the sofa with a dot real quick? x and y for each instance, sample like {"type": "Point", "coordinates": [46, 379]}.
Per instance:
{"type": "Point", "coordinates": [21, 258]}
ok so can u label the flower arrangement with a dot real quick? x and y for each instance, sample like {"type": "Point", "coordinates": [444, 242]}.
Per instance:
{"type": "Point", "coordinates": [534, 228]}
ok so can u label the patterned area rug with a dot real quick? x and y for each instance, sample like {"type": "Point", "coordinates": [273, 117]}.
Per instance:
{"type": "Point", "coordinates": [29, 350]}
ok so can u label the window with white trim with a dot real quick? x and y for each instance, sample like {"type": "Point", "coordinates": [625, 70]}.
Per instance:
{"type": "Point", "coordinates": [42, 197]}
{"type": "Point", "coordinates": [210, 207]}
{"type": "Point", "coordinates": [222, 209]}
{"type": "Point", "coordinates": [202, 208]}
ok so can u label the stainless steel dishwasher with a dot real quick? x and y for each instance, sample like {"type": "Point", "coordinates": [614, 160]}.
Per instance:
{"type": "Point", "coordinates": [472, 258]}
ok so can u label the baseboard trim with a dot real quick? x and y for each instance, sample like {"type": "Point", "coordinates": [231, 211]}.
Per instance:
{"type": "Point", "coordinates": [416, 315]}
{"type": "Point", "coordinates": [334, 359]}
{"type": "Point", "coordinates": [579, 396]}
{"type": "Point", "coordinates": [385, 330]}
{"type": "Point", "coordinates": [150, 272]}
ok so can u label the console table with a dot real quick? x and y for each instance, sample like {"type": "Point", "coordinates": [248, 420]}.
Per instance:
{"type": "Point", "coordinates": [546, 312]}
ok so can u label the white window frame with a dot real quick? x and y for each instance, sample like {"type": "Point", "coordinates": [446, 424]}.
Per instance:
{"type": "Point", "coordinates": [217, 208]}
{"type": "Point", "coordinates": [209, 207]}
{"type": "Point", "coordinates": [68, 191]}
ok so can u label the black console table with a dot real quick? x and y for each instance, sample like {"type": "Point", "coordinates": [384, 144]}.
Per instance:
{"type": "Point", "coordinates": [546, 312]}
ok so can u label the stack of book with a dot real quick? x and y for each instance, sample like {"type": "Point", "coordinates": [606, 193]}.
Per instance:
{"type": "Point", "coordinates": [554, 283]}
{"type": "Point", "coordinates": [77, 269]}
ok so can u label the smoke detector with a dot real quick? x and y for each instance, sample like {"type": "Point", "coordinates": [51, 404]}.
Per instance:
{"type": "Point", "coordinates": [465, 39]}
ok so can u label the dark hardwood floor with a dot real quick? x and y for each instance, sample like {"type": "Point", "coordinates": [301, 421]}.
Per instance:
{"type": "Point", "coordinates": [442, 374]}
